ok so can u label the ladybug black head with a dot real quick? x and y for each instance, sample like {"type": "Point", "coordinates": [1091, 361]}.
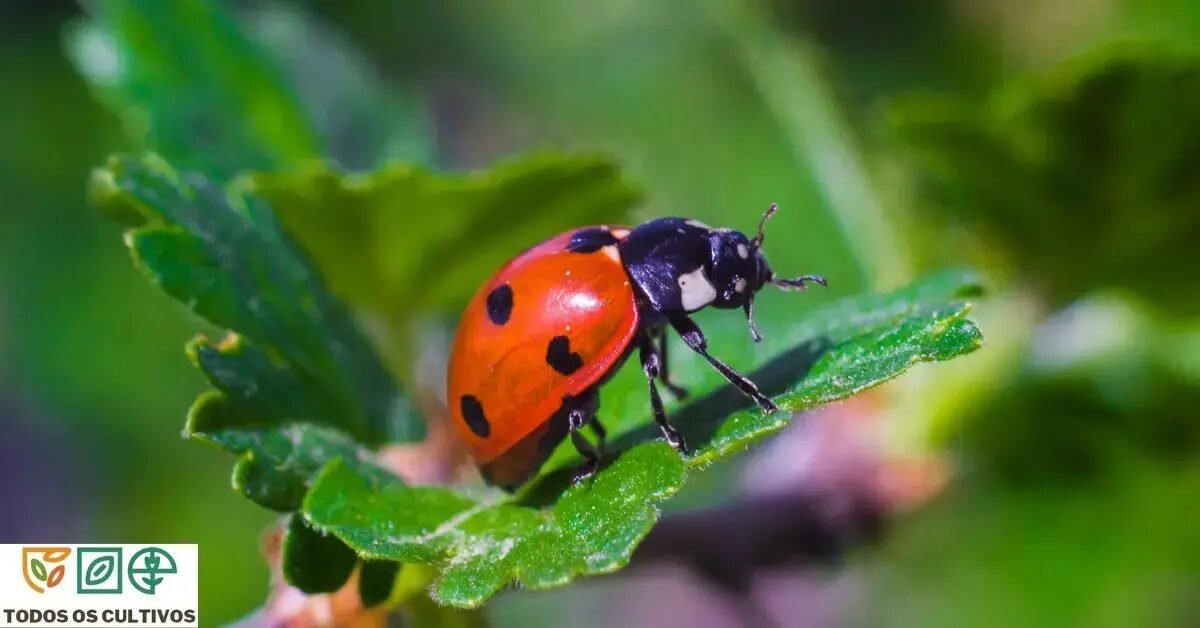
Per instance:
{"type": "Point", "coordinates": [739, 270]}
{"type": "Point", "coordinates": [736, 267]}
{"type": "Point", "coordinates": [681, 266]}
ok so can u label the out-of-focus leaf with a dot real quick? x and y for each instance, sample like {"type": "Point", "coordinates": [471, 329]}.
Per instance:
{"type": "Point", "coordinates": [1122, 552]}
{"type": "Point", "coordinates": [1086, 176]}
{"type": "Point", "coordinates": [1109, 373]}
{"type": "Point", "coordinates": [315, 562]}
{"type": "Point", "coordinates": [1091, 425]}
{"type": "Point", "coordinates": [403, 238]}
{"type": "Point", "coordinates": [190, 85]}
{"type": "Point", "coordinates": [321, 563]}
{"type": "Point", "coordinates": [362, 121]}
{"type": "Point", "coordinates": [296, 361]}
{"type": "Point", "coordinates": [376, 581]}
{"type": "Point", "coordinates": [556, 532]}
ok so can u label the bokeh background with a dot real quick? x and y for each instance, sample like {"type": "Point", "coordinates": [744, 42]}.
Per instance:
{"type": "Point", "coordinates": [1053, 478]}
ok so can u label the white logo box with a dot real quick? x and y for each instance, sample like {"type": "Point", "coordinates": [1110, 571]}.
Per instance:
{"type": "Point", "coordinates": [63, 584]}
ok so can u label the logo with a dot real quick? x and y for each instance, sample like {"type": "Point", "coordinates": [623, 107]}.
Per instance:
{"type": "Point", "coordinates": [40, 566]}
{"type": "Point", "coordinates": [52, 585]}
{"type": "Point", "coordinates": [144, 575]}
{"type": "Point", "coordinates": [99, 570]}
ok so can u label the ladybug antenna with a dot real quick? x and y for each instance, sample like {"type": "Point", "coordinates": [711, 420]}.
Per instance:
{"type": "Point", "coordinates": [798, 283]}
{"type": "Point", "coordinates": [762, 222]}
{"type": "Point", "coordinates": [785, 284]}
{"type": "Point", "coordinates": [749, 307]}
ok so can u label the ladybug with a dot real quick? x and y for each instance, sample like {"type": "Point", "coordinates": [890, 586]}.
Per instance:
{"type": "Point", "coordinates": [542, 335]}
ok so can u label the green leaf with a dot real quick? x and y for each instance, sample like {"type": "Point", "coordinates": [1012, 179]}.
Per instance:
{"type": "Point", "coordinates": [277, 460]}
{"type": "Point", "coordinates": [189, 84]}
{"type": "Point", "coordinates": [382, 237]}
{"type": "Point", "coordinates": [782, 358]}
{"type": "Point", "coordinates": [483, 545]}
{"type": "Point", "coordinates": [38, 568]}
{"type": "Point", "coordinates": [556, 531]}
{"type": "Point", "coordinates": [1094, 161]}
{"type": "Point", "coordinates": [315, 562]}
{"type": "Point", "coordinates": [222, 252]}
{"type": "Point", "coordinates": [297, 360]}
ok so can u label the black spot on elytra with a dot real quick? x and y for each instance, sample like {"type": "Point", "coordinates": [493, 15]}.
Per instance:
{"type": "Point", "coordinates": [590, 240]}
{"type": "Point", "coordinates": [472, 412]}
{"type": "Point", "coordinates": [499, 304]}
{"type": "Point", "coordinates": [560, 357]}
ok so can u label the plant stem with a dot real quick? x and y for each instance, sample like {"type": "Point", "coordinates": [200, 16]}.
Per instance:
{"type": "Point", "coordinates": [787, 75]}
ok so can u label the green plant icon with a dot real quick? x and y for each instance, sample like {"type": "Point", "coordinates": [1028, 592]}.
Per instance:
{"type": "Point", "coordinates": [144, 575]}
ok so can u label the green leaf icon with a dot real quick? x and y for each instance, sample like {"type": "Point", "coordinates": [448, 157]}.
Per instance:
{"type": "Point", "coordinates": [39, 570]}
{"type": "Point", "coordinates": [98, 571]}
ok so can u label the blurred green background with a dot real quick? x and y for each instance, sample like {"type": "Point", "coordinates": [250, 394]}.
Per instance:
{"type": "Point", "coordinates": [1053, 145]}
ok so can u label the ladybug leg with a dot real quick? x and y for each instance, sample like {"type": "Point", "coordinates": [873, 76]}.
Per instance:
{"type": "Point", "coordinates": [679, 392]}
{"type": "Point", "coordinates": [601, 433]}
{"type": "Point", "coordinates": [651, 365]}
{"type": "Point", "coordinates": [694, 338]}
{"type": "Point", "coordinates": [577, 417]}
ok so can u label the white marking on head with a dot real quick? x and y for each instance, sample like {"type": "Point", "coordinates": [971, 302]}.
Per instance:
{"type": "Point", "coordinates": [612, 253]}
{"type": "Point", "coordinates": [620, 233]}
{"type": "Point", "coordinates": [695, 290]}
{"type": "Point", "coordinates": [743, 251]}
{"type": "Point", "coordinates": [740, 285]}
{"type": "Point", "coordinates": [696, 223]}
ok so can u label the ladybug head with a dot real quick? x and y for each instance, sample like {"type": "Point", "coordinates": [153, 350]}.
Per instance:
{"type": "Point", "coordinates": [738, 270]}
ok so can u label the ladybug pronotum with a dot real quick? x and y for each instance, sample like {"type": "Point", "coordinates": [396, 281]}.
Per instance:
{"type": "Point", "coordinates": [552, 325]}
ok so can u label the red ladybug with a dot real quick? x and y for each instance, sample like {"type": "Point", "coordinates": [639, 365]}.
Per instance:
{"type": "Point", "coordinates": [540, 337]}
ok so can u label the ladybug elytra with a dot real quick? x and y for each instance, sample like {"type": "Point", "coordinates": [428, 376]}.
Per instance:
{"type": "Point", "coordinates": [552, 325]}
